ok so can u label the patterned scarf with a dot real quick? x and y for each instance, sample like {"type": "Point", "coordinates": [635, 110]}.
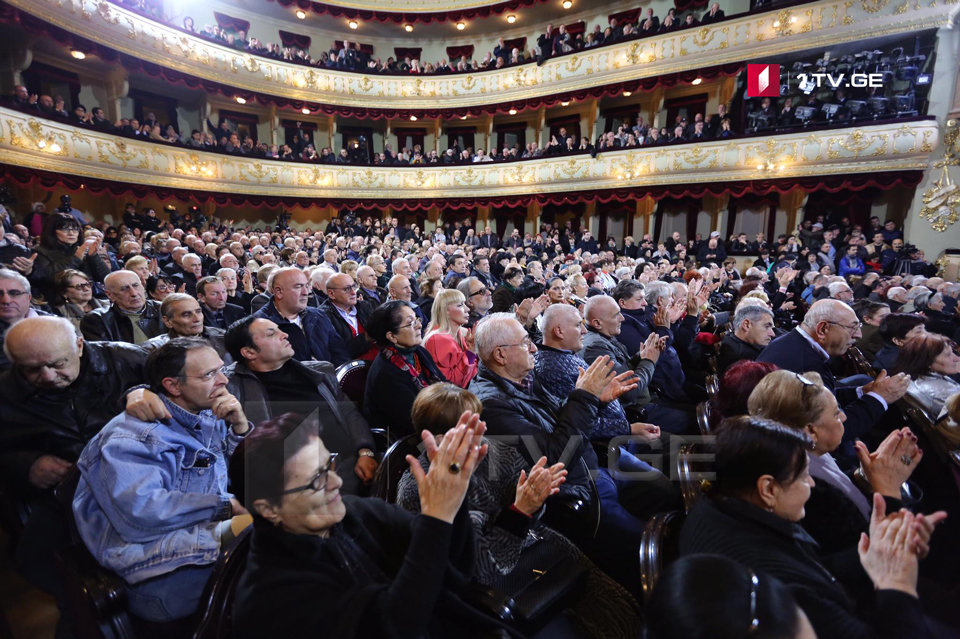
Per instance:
{"type": "Point", "coordinates": [422, 376]}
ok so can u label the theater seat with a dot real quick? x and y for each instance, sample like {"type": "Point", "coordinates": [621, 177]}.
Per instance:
{"type": "Point", "coordinates": [216, 603]}
{"type": "Point", "coordinates": [352, 378]}
{"type": "Point", "coordinates": [860, 363]}
{"type": "Point", "coordinates": [693, 471]}
{"type": "Point", "coordinates": [659, 547]}
{"type": "Point", "coordinates": [713, 386]}
{"type": "Point", "coordinates": [703, 418]}
{"type": "Point", "coordinates": [392, 467]}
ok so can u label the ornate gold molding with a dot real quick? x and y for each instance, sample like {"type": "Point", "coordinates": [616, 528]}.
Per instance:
{"type": "Point", "coordinates": [412, 6]}
{"type": "Point", "coordinates": [815, 25]}
{"type": "Point", "coordinates": [86, 153]}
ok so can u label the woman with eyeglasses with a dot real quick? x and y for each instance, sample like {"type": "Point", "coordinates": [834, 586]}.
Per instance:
{"type": "Point", "coordinates": [751, 514]}
{"type": "Point", "coordinates": [158, 287]}
{"type": "Point", "coordinates": [448, 341]}
{"type": "Point", "coordinates": [712, 597]}
{"type": "Point", "coordinates": [73, 292]}
{"type": "Point", "coordinates": [933, 365]}
{"type": "Point", "coordinates": [62, 247]}
{"type": "Point", "coordinates": [401, 370]}
{"type": "Point", "coordinates": [345, 567]}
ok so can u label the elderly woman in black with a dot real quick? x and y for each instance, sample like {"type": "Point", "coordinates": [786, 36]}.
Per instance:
{"type": "Point", "coordinates": [505, 500]}
{"type": "Point", "coordinates": [751, 514]}
{"type": "Point", "coordinates": [326, 564]}
{"type": "Point", "coordinates": [61, 247]}
{"type": "Point", "coordinates": [400, 370]}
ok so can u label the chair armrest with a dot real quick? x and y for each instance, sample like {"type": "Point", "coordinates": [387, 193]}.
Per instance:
{"type": "Point", "coordinates": [490, 601]}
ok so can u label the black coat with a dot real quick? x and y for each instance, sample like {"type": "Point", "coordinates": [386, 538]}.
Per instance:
{"type": "Point", "coordinates": [51, 261]}
{"type": "Point", "coordinates": [383, 572]}
{"type": "Point", "coordinates": [230, 314]}
{"type": "Point", "coordinates": [732, 350]}
{"type": "Point", "coordinates": [392, 392]}
{"type": "Point", "coordinates": [793, 352]}
{"type": "Point", "coordinates": [773, 546]}
{"type": "Point", "coordinates": [109, 324]}
{"type": "Point", "coordinates": [356, 345]}
{"type": "Point", "coordinates": [39, 422]}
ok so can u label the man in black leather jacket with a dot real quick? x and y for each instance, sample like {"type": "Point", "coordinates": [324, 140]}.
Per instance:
{"type": "Point", "coordinates": [131, 318]}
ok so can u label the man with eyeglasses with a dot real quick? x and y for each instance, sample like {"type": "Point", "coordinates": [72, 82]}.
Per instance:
{"type": "Point", "coordinates": [152, 503]}
{"type": "Point", "coordinates": [59, 392]}
{"type": "Point", "coordinates": [131, 317]}
{"type": "Point", "coordinates": [828, 330]}
{"type": "Point", "coordinates": [479, 299]}
{"type": "Point", "coordinates": [183, 317]}
{"type": "Point", "coordinates": [15, 298]}
{"type": "Point", "coordinates": [349, 316]}
{"type": "Point", "coordinates": [311, 333]}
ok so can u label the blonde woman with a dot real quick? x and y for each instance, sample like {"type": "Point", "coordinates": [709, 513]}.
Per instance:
{"type": "Point", "coordinates": [349, 267]}
{"type": "Point", "coordinates": [451, 345]}
{"type": "Point", "coordinates": [141, 266]}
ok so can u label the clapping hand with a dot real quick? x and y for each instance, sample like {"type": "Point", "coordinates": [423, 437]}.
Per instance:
{"type": "Point", "coordinates": [601, 381]}
{"type": "Point", "coordinates": [887, 468]}
{"type": "Point", "coordinates": [889, 554]}
{"type": "Point", "coordinates": [542, 483]}
{"type": "Point", "coordinates": [889, 388]}
{"type": "Point", "coordinates": [652, 347]}
{"type": "Point", "coordinates": [452, 463]}
{"type": "Point", "coordinates": [25, 264]}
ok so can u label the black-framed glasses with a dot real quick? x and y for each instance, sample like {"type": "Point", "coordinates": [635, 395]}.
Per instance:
{"type": "Point", "coordinates": [482, 291]}
{"type": "Point", "coordinates": [319, 482]}
{"type": "Point", "coordinates": [850, 329]}
{"type": "Point", "coordinates": [754, 586]}
{"type": "Point", "coordinates": [209, 375]}
{"type": "Point", "coordinates": [416, 321]}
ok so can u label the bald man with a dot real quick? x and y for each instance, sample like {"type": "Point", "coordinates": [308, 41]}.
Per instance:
{"type": "Point", "coordinates": [349, 315]}
{"type": "Point", "coordinates": [130, 318]}
{"type": "Point", "coordinates": [309, 329]}
{"type": "Point", "coordinates": [400, 288]}
{"type": "Point", "coordinates": [58, 394]}
{"type": "Point", "coordinates": [829, 329]}
{"type": "Point", "coordinates": [369, 291]}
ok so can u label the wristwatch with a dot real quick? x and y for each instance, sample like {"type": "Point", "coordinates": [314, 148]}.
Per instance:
{"type": "Point", "coordinates": [366, 453]}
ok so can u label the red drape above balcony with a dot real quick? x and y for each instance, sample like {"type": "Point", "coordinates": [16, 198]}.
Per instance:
{"type": "Point", "coordinates": [455, 53]}
{"type": "Point", "coordinates": [412, 18]}
{"type": "Point", "coordinates": [228, 23]}
{"type": "Point", "coordinates": [516, 43]}
{"type": "Point", "coordinates": [625, 17]}
{"type": "Point", "coordinates": [576, 28]}
{"type": "Point", "coordinates": [832, 184]}
{"type": "Point", "coordinates": [408, 52]}
{"type": "Point", "coordinates": [294, 40]}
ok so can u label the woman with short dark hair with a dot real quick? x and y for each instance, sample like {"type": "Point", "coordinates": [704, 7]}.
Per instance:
{"type": "Point", "coordinates": [751, 515]}
{"type": "Point", "coordinates": [931, 362]}
{"type": "Point", "coordinates": [73, 295]}
{"type": "Point", "coordinates": [62, 247]}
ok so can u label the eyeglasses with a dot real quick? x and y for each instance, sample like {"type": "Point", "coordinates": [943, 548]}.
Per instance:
{"type": "Point", "coordinates": [209, 375]}
{"type": "Point", "coordinates": [754, 585]}
{"type": "Point", "coordinates": [319, 482]}
{"type": "Point", "coordinates": [82, 286]}
{"type": "Point", "coordinates": [416, 322]}
{"type": "Point", "coordinates": [526, 343]}
{"type": "Point", "coordinates": [343, 288]}
{"type": "Point", "coordinates": [163, 288]}
{"type": "Point", "coordinates": [851, 329]}
{"type": "Point", "coordinates": [482, 291]}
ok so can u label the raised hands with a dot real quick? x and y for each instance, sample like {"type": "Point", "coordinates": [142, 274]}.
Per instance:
{"type": "Point", "coordinates": [661, 317]}
{"type": "Point", "coordinates": [889, 554]}
{"type": "Point", "coordinates": [892, 463]}
{"type": "Point", "coordinates": [25, 264]}
{"type": "Point", "coordinates": [889, 388]}
{"type": "Point", "coordinates": [652, 347]}
{"type": "Point", "coordinates": [601, 381]}
{"type": "Point", "coordinates": [452, 463]}
{"type": "Point", "coordinates": [542, 482]}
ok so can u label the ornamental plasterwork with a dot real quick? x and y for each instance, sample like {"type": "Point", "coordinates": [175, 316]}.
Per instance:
{"type": "Point", "coordinates": [86, 153]}
{"type": "Point", "coordinates": [941, 202]}
{"type": "Point", "coordinates": [754, 36]}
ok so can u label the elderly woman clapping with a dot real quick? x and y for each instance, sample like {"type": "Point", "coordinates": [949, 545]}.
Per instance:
{"type": "Point", "coordinates": [355, 567]}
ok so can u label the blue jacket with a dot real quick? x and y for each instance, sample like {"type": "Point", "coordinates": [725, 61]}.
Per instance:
{"type": "Point", "coordinates": [149, 504]}
{"type": "Point", "coordinates": [321, 342]}
{"type": "Point", "coordinates": [557, 371]}
{"type": "Point", "coordinates": [845, 267]}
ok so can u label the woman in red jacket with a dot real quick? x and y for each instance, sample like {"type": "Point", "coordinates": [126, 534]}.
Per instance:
{"type": "Point", "coordinates": [450, 344]}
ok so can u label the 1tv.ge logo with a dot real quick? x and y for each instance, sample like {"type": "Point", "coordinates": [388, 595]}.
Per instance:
{"type": "Point", "coordinates": [763, 80]}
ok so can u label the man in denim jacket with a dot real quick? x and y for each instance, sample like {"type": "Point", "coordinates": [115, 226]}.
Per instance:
{"type": "Point", "coordinates": [152, 504]}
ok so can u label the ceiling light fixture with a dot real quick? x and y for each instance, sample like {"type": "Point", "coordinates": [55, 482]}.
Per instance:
{"type": "Point", "coordinates": [627, 94]}
{"type": "Point", "coordinates": [567, 4]}
{"type": "Point", "coordinates": [305, 111]}
{"type": "Point", "coordinates": [408, 28]}
{"type": "Point", "coordinates": [512, 111]}
{"type": "Point", "coordinates": [565, 103]}
{"type": "Point", "coordinates": [461, 25]}
{"type": "Point", "coordinates": [79, 55]}
{"type": "Point", "coordinates": [463, 117]}
{"type": "Point", "coordinates": [697, 81]}
{"type": "Point", "coordinates": [301, 15]}
{"type": "Point", "coordinates": [353, 24]}
{"type": "Point", "coordinates": [413, 118]}
{"type": "Point", "coordinates": [241, 101]}
{"type": "Point", "coordinates": [511, 18]}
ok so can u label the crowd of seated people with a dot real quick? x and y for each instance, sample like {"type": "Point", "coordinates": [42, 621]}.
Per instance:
{"type": "Point", "coordinates": [185, 367]}
{"type": "Point", "coordinates": [554, 41]}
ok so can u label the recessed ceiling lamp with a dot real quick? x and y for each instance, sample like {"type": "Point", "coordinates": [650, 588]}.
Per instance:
{"type": "Point", "coordinates": [301, 15]}
{"type": "Point", "coordinates": [567, 4]}
{"type": "Point", "coordinates": [413, 118]}
{"type": "Point", "coordinates": [461, 25]}
{"type": "Point", "coordinates": [627, 94]}
{"type": "Point", "coordinates": [697, 81]}
{"type": "Point", "coordinates": [511, 18]}
{"type": "Point", "coordinates": [565, 103]}
{"type": "Point", "coordinates": [353, 24]}
{"type": "Point", "coordinates": [241, 101]}
{"type": "Point", "coordinates": [512, 111]}
{"type": "Point", "coordinates": [79, 55]}
{"type": "Point", "coordinates": [408, 28]}
{"type": "Point", "coordinates": [463, 117]}
{"type": "Point", "coordinates": [305, 111]}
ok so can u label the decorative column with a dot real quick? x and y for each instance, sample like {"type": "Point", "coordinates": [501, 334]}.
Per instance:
{"type": "Point", "coordinates": [332, 132]}
{"type": "Point", "coordinates": [433, 218]}
{"type": "Point", "coordinates": [590, 219]}
{"type": "Point", "coordinates": [110, 90]}
{"type": "Point", "coordinates": [656, 104]}
{"type": "Point", "coordinates": [483, 218]}
{"type": "Point", "coordinates": [541, 120]}
{"type": "Point", "coordinates": [386, 137]}
{"type": "Point", "coordinates": [12, 64]}
{"type": "Point", "coordinates": [643, 216]}
{"type": "Point", "coordinates": [593, 116]}
{"type": "Point", "coordinates": [791, 202]}
{"type": "Point", "coordinates": [728, 87]}
{"type": "Point", "coordinates": [487, 132]}
{"type": "Point", "coordinates": [436, 136]}
{"type": "Point", "coordinates": [714, 206]}
{"type": "Point", "coordinates": [533, 218]}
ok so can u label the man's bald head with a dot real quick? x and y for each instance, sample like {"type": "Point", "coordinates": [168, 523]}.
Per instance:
{"type": "Point", "coordinates": [833, 325]}
{"type": "Point", "coordinates": [399, 288]}
{"type": "Point", "coordinates": [45, 350]}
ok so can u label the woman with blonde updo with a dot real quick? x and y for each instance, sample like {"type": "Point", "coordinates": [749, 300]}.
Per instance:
{"type": "Point", "coordinates": [450, 344]}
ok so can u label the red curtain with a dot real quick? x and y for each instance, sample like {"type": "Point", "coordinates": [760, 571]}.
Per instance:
{"type": "Point", "coordinates": [576, 28]}
{"type": "Point", "coordinates": [686, 5]}
{"type": "Point", "coordinates": [831, 184]}
{"type": "Point", "coordinates": [231, 24]}
{"type": "Point", "coordinates": [408, 52]}
{"type": "Point", "coordinates": [625, 17]}
{"type": "Point", "coordinates": [455, 53]}
{"type": "Point", "coordinates": [294, 40]}
{"type": "Point", "coordinates": [403, 18]}
{"type": "Point", "coordinates": [516, 43]}
{"type": "Point", "coordinates": [366, 48]}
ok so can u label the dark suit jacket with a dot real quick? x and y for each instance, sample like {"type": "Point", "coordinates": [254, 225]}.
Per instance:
{"type": "Point", "coordinates": [732, 350]}
{"type": "Point", "coordinates": [356, 345]}
{"type": "Point", "coordinates": [793, 352]}
{"type": "Point", "coordinates": [707, 18]}
{"type": "Point", "coordinates": [231, 313]}
{"type": "Point", "coordinates": [108, 324]}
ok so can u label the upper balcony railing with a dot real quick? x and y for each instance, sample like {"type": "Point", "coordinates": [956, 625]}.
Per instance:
{"type": "Point", "coordinates": [28, 143]}
{"type": "Point", "coordinates": [752, 36]}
